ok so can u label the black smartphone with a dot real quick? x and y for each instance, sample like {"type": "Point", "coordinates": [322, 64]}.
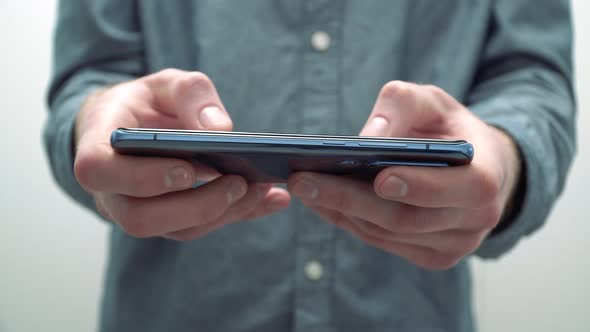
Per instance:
{"type": "Point", "coordinates": [269, 157]}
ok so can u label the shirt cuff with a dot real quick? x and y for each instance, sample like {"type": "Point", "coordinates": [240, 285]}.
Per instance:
{"type": "Point", "coordinates": [59, 140]}
{"type": "Point", "coordinates": [536, 202]}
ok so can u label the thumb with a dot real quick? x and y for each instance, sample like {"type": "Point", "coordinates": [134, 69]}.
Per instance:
{"type": "Point", "coordinates": [189, 96]}
{"type": "Point", "coordinates": [404, 108]}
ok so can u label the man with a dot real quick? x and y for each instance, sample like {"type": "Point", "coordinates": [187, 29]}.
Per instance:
{"type": "Point", "coordinates": [346, 255]}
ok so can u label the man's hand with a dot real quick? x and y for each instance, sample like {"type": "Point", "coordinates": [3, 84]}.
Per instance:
{"type": "Point", "coordinates": [154, 196]}
{"type": "Point", "coordinates": [431, 216]}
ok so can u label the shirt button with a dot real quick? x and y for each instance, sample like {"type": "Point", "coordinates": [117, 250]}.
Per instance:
{"type": "Point", "coordinates": [320, 41]}
{"type": "Point", "coordinates": [314, 270]}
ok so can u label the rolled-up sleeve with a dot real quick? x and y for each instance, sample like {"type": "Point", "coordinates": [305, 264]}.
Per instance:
{"type": "Point", "coordinates": [96, 43]}
{"type": "Point", "coordinates": [524, 86]}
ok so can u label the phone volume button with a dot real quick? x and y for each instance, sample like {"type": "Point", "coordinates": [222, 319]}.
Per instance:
{"type": "Point", "coordinates": [417, 146]}
{"type": "Point", "coordinates": [334, 143]}
{"type": "Point", "coordinates": [383, 145]}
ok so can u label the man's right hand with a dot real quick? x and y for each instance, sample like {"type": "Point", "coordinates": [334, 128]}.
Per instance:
{"type": "Point", "coordinates": [149, 196]}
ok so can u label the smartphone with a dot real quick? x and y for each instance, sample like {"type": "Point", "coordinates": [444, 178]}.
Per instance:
{"type": "Point", "coordinates": [271, 158]}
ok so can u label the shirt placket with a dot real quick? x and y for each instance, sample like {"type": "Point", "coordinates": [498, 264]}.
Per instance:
{"type": "Point", "coordinates": [320, 74]}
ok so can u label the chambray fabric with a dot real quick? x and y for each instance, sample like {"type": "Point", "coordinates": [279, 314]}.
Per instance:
{"type": "Point", "coordinates": [508, 61]}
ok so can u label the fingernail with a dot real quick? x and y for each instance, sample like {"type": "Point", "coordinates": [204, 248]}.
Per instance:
{"type": "Point", "coordinates": [178, 178]}
{"type": "Point", "coordinates": [213, 117]}
{"type": "Point", "coordinates": [198, 184]}
{"type": "Point", "coordinates": [236, 191]}
{"type": "Point", "coordinates": [206, 175]}
{"type": "Point", "coordinates": [394, 187]}
{"type": "Point", "coordinates": [305, 189]}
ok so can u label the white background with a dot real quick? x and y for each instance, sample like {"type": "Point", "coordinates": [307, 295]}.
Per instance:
{"type": "Point", "coordinates": [52, 253]}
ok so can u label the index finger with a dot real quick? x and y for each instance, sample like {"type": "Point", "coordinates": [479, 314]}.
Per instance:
{"type": "Point", "coordinates": [190, 96]}
{"type": "Point", "coordinates": [404, 107]}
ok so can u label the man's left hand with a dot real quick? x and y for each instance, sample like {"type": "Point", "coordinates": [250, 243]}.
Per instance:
{"type": "Point", "coordinates": [431, 216]}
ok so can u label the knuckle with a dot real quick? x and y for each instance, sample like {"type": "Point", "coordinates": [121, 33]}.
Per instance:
{"type": "Point", "coordinates": [443, 97]}
{"type": "Point", "coordinates": [102, 209]}
{"type": "Point", "coordinates": [436, 261]}
{"type": "Point", "coordinates": [491, 216]}
{"type": "Point", "coordinates": [167, 73]}
{"type": "Point", "coordinates": [134, 222]}
{"type": "Point", "coordinates": [370, 228]}
{"type": "Point", "coordinates": [396, 89]}
{"type": "Point", "coordinates": [157, 80]}
{"type": "Point", "coordinates": [436, 91]}
{"type": "Point", "coordinates": [85, 168]}
{"type": "Point", "coordinates": [134, 227]}
{"type": "Point", "coordinates": [339, 219]}
{"type": "Point", "coordinates": [470, 244]}
{"type": "Point", "coordinates": [137, 87]}
{"type": "Point", "coordinates": [464, 243]}
{"type": "Point", "coordinates": [193, 81]}
{"type": "Point", "coordinates": [489, 186]}
{"type": "Point", "coordinates": [200, 78]}
{"type": "Point", "coordinates": [370, 239]}
{"type": "Point", "coordinates": [82, 169]}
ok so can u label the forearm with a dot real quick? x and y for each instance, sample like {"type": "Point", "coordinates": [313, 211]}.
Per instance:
{"type": "Point", "coordinates": [91, 50]}
{"type": "Point", "coordinates": [535, 107]}
{"type": "Point", "coordinates": [59, 130]}
{"type": "Point", "coordinates": [524, 87]}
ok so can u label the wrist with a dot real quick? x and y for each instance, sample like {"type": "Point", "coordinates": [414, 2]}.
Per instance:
{"type": "Point", "coordinates": [514, 182]}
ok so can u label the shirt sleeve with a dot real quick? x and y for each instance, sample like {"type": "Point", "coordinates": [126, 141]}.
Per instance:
{"type": "Point", "coordinates": [524, 86]}
{"type": "Point", "coordinates": [96, 43]}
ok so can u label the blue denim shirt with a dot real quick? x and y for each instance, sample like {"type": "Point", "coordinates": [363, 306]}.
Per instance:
{"type": "Point", "coordinates": [315, 66]}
